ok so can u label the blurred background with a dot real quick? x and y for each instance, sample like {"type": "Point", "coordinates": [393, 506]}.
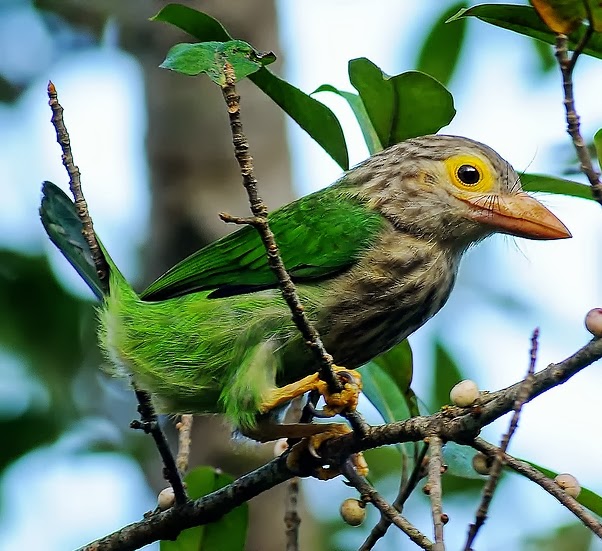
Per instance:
{"type": "Point", "coordinates": [156, 161]}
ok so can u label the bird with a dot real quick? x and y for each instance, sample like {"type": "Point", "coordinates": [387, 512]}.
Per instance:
{"type": "Point", "coordinates": [373, 257]}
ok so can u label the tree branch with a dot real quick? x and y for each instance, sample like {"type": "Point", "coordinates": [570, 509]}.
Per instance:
{"type": "Point", "coordinates": [81, 206]}
{"type": "Point", "coordinates": [455, 424]}
{"type": "Point", "coordinates": [405, 490]}
{"type": "Point", "coordinates": [546, 483]}
{"type": "Point", "coordinates": [498, 461]}
{"type": "Point", "coordinates": [148, 422]}
{"type": "Point", "coordinates": [184, 427]}
{"type": "Point", "coordinates": [435, 491]}
{"type": "Point", "coordinates": [168, 524]}
{"type": "Point", "coordinates": [566, 68]}
{"type": "Point", "coordinates": [150, 425]}
{"type": "Point", "coordinates": [368, 493]}
{"type": "Point", "coordinates": [259, 221]}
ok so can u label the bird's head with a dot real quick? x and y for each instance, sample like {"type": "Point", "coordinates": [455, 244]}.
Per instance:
{"type": "Point", "coordinates": [452, 189]}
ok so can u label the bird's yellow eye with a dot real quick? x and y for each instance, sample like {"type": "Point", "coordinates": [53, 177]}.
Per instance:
{"type": "Point", "coordinates": [469, 173]}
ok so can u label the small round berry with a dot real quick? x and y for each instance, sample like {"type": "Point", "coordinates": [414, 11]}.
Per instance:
{"type": "Point", "coordinates": [353, 511]}
{"type": "Point", "coordinates": [593, 322]}
{"type": "Point", "coordinates": [465, 393]}
{"type": "Point", "coordinates": [444, 518]}
{"type": "Point", "coordinates": [280, 447]}
{"type": "Point", "coordinates": [568, 483]}
{"type": "Point", "coordinates": [481, 463]}
{"type": "Point", "coordinates": [166, 498]}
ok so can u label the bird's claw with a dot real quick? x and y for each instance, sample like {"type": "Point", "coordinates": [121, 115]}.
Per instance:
{"type": "Point", "coordinates": [345, 400]}
{"type": "Point", "coordinates": [312, 445]}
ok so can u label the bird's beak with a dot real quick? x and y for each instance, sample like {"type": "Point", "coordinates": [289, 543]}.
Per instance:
{"type": "Point", "coordinates": [517, 214]}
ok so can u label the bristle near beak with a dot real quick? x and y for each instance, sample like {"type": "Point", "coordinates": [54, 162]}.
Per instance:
{"type": "Point", "coordinates": [517, 214]}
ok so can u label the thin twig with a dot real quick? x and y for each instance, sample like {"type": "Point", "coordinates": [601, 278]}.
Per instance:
{"type": "Point", "coordinates": [546, 483]}
{"type": "Point", "coordinates": [498, 462]}
{"type": "Point", "coordinates": [184, 427]}
{"type": "Point", "coordinates": [150, 425]}
{"type": "Point", "coordinates": [406, 488]}
{"type": "Point", "coordinates": [62, 137]}
{"type": "Point", "coordinates": [259, 221]}
{"type": "Point", "coordinates": [435, 490]}
{"type": "Point", "coordinates": [148, 421]}
{"type": "Point", "coordinates": [369, 494]}
{"type": "Point", "coordinates": [567, 64]}
{"type": "Point", "coordinates": [291, 515]}
{"type": "Point", "coordinates": [292, 520]}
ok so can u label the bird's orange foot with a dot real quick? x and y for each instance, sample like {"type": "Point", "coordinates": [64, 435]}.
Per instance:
{"type": "Point", "coordinates": [347, 398]}
{"type": "Point", "coordinates": [336, 402]}
{"type": "Point", "coordinates": [312, 445]}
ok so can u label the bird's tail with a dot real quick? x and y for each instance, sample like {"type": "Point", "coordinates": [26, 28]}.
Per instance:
{"type": "Point", "coordinates": [63, 226]}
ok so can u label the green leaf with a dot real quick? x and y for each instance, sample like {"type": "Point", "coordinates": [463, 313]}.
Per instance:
{"type": "Point", "coordinates": [386, 383]}
{"type": "Point", "coordinates": [404, 106]}
{"type": "Point", "coordinates": [559, 186]}
{"type": "Point", "coordinates": [398, 364]}
{"type": "Point", "coordinates": [569, 537]}
{"type": "Point", "coordinates": [441, 50]}
{"type": "Point", "coordinates": [587, 498]}
{"type": "Point", "coordinates": [211, 57]}
{"type": "Point", "coordinates": [311, 115]}
{"type": "Point", "coordinates": [357, 106]}
{"type": "Point", "coordinates": [545, 56]}
{"type": "Point", "coordinates": [229, 532]}
{"type": "Point", "coordinates": [598, 146]}
{"type": "Point", "coordinates": [446, 374]}
{"type": "Point", "coordinates": [524, 20]}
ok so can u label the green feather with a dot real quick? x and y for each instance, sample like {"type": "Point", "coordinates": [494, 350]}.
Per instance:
{"type": "Point", "coordinates": [319, 235]}
{"type": "Point", "coordinates": [64, 228]}
{"type": "Point", "coordinates": [197, 353]}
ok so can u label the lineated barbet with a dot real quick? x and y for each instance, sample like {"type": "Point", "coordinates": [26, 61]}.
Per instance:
{"type": "Point", "coordinates": [373, 256]}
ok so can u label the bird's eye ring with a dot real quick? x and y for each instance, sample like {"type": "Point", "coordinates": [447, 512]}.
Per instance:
{"type": "Point", "coordinates": [469, 175]}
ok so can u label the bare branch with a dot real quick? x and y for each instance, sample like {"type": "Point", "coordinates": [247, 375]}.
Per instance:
{"type": "Point", "coordinates": [368, 493]}
{"type": "Point", "coordinates": [566, 68]}
{"type": "Point", "coordinates": [62, 137]}
{"type": "Point", "coordinates": [435, 491]}
{"type": "Point", "coordinates": [498, 462]}
{"type": "Point", "coordinates": [546, 483]}
{"type": "Point", "coordinates": [456, 423]}
{"type": "Point", "coordinates": [148, 422]}
{"type": "Point", "coordinates": [168, 524]}
{"type": "Point", "coordinates": [405, 489]}
{"type": "Point", "coordinates": [453, 424]}
{"type": "Point", "coordinates": [260, 222]}
{"type": "Point", "coordinates": [291, 515]}
{"type": "Point", "coordinates": [292, 520]}
{"type": "Point", "coordinates": [184, 426]}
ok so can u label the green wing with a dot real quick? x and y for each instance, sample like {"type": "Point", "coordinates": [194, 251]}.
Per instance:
{"type": "Point", "coordinates": [64, 228]}
{"type": "Point", "coordinates": [318, 235]}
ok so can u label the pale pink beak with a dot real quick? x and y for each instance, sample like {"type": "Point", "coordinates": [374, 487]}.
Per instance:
{"type": "Point", "coordinates": [517, 214]}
